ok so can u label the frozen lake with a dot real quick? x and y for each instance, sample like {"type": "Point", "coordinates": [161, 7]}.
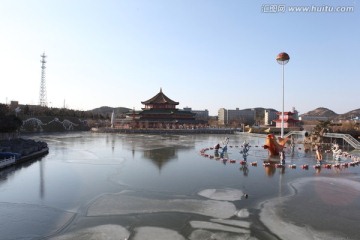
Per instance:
{"type": "Point", "coordinates": [114, 186]}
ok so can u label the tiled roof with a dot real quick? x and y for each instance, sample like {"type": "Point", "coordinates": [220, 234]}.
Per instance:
{"type": "Point", "coordinates": [285, 113]}
{"type": "Point", "coordinates": [160, 98]}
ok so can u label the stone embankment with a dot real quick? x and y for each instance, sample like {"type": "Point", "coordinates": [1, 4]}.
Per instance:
{"type": "Point", "coordinates": [22, 150]}
{"type": "Point", "coordinates": [166, 131]}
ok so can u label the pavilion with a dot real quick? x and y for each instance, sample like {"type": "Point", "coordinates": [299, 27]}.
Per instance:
{"type": "Point", "coordinates": [160, 112]}
{"type": "Point", "coordinates": [289, 120]}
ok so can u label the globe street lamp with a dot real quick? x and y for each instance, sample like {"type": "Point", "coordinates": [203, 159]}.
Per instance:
{"type": "Point", "coordinates": [282, 58]}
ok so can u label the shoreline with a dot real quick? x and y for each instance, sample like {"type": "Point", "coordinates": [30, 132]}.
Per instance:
{"type": "Point", "coordinates": [33, 155]}
{"type": "Point", "coordinates": [165, 131]}
{"type": "Point", "coordinates": [22, 150]}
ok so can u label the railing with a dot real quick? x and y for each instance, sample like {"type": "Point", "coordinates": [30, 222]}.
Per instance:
{"type": "Point", "coordinates": [6, 162]}
{"type": "Point", "coordinates": [347, 137]}
{"type": "Point", "coordinates": [295, 133]}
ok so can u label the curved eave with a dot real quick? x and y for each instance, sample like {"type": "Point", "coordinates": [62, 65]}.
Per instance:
{"type": "Point", "coordinates": [160, 98]}
{"type": "Point", "coordinates": [285, 113]}
{"type": "Point", "coordinates": [288, 120]}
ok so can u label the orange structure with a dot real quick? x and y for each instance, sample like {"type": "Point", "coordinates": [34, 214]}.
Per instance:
{"type": "Point", "coordinates": [274, 146]}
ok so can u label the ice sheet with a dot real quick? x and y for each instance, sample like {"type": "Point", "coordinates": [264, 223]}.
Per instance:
{"type": "Point", "coordinates": [33, 220]}
{"type": "Point", "coordinates": [152, 233]}
{"type": "Point", "coordinates": [102, 232]}
{"type": "Point", "coordinates": [222, 194]}
{"type": "Point", "coordinates": [201, 234]}
{"type": "Point", "coordinates": [287, 230]}
{"type": "Point", "coordinates": [243, 213]}
{"type": "Point", "coordinates": [120, 204]}
{"type": "Point", "coordinates": [236, 223]}
{"type": "Point", "coordinates": [216, 226]}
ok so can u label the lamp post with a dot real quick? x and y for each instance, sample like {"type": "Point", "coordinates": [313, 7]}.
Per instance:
{"type": "Point", "coordinates": [282, 58]}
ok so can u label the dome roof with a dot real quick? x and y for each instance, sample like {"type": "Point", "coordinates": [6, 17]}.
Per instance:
{"type": "Point", "coordinates": [283, 57]}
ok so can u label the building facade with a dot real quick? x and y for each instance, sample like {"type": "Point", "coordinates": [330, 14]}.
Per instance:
{"type": "Point", "coordinates": [199, 114]}
{"type": "Point", "coordinates": [314, 118]}
{"type": "Point", "coordinates": [227, 116]}
{"type": "Point", "coordinates": [269, 117]}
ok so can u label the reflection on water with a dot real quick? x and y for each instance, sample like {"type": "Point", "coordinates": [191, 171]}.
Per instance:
{"type": "Point", "coordinates": [97, 185]}
{"type": "Point", "coordinates": [160, 156]}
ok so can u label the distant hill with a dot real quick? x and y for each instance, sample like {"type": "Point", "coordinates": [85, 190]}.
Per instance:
{"type": "Point", "coordinates": [108, 110]}
{"type": "Point", "coordinates": [349, 115]}
{"type": "Point", "coordinates": [331, 115]}
{"type": "Point", "coordinates": [321, 112]}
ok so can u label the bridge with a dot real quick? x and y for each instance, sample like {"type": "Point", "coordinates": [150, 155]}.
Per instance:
{"type": "Point", "coordinates": [345, 137]}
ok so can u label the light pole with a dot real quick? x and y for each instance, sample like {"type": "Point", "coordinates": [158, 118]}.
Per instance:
{"type": "Point", "coordinates": [282, 58]}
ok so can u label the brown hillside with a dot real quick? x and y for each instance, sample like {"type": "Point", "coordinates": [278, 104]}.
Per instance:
{"type": "Point", "coordinates": [321, 112]}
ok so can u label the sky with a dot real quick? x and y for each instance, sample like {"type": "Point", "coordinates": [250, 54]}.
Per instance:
{"type": "Point", "coordinates": [204, 54]}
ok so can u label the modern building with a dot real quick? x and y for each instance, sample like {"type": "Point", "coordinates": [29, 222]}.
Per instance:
{"type": "Point", "coordinates": [314, 118]}
{"type": "Point", "coordinates": [160, 112]}
{"type": "Point", "coordinates": [227, 116]}
{"type": "Point", "coordinates": [199, 114]}
{"type": "Point", "coordinates": [269, 117]}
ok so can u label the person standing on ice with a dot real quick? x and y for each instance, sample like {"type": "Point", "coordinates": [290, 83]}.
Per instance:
{"type": "Point", "coordinates": [282, 158]}
{"type": "Point", "coordinates": [319, 156]}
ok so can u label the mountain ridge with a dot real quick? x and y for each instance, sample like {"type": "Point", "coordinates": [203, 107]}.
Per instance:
{"type": "Point", "coordinates": [325, 112]}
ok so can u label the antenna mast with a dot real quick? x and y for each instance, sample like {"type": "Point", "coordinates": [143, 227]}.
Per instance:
{"type": "Point", "coordinates": [43, 97]}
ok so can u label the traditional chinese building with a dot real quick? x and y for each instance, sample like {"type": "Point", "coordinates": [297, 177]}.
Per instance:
{"type": "Point", "coordinates": [160, 112]}
{"type": "Point", "coordinates": [290, 120]}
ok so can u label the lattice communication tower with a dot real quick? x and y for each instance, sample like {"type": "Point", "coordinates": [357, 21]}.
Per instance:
{"type": "Point", "coordinates": [43, 95]}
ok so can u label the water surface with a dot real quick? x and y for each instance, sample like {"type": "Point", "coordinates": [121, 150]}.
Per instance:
{"type": "Point", "coordinates": [113, 186]}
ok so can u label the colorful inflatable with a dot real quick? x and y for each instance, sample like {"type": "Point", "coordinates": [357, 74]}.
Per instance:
{"type": "Point", "coordinates": [274, 146]}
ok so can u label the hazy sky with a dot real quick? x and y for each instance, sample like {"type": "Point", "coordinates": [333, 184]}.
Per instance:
{"type": "Point", "coordinates": [205, 54]}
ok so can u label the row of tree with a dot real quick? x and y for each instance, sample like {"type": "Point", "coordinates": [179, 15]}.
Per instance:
{"type": "Point", "coordinates": [39, 111]}
{"type": "Point", "coordinates": [11, 118]}
{"type": "Point", "coordinates": [9, 122]}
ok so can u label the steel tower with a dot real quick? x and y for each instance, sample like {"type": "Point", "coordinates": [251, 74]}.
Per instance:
{"type": "Point", "coordinates": [43, 97]}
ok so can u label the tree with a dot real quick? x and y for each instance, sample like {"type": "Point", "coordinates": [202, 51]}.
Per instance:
{"type": "Point", "coordinates": [26, 110]}
{"type": "Point", "coordinates": [4, 109]}
{"type": "Point", "coordinates": [10, 123]}
{"type": "Point", "coordinates": [322, 127]}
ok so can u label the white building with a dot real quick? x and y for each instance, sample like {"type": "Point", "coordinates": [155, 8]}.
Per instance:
{"type": "Point", "coordinates": [200, 114]}
{"type": "Point", "coordinates": [227, 116]}
{"type": "Point", "coordinates": [269, 116]}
